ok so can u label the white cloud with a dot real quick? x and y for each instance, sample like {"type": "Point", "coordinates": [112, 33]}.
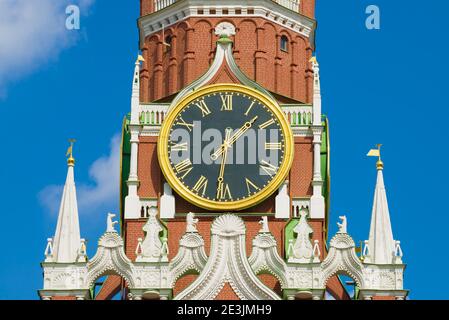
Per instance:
{"type": "Point", "coordinates": [97, 197]}
{"type": "Point", "coordinates": [32, 33]}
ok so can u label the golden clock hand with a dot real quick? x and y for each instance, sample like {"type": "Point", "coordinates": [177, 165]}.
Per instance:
{"type": "Point", "coordinates": [223, 162]}
{"type": "Point", "coordinates": [234, 138]}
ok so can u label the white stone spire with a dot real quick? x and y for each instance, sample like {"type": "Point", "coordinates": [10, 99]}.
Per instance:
{"type": "Point", "coordinates": [135, 95]}
{"type": "Point", "coordinates": [317, 205]}
{"type": "Point", "coordinates": [316, 92]}
{"type": "Point", "coordinates": [132, 204]}
{"type": "Point", "coordinates": [67, 240]}
{"type": "Point", "coordinates": [381, 242]}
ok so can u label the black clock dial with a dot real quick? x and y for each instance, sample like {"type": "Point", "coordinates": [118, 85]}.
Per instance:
{"type": "Point", "coordinates": [226, 146]}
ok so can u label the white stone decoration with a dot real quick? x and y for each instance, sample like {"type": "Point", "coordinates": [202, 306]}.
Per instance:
{"type": "Point", "coordinates": [167, 207]}
{"type": "Point", "coordinates": [266, 259]}
{"type": "Point", "coordinates": [191, 222]}
{"type": "Point", "coordinates": [302, 249]}
{"type": "Point", "coordinates": [225, 28]}
{"type": "Point", "coordinates": [151, 247]}
{"type": "Point", "coordinates": [282, 202]}
{"type": "Point", "coordinates": [110, 259]}
{"type": "Point", "coordinates": [342, 258]}
{"type": "Point", "coordinates": [191, 256]}
{"type": "Point", "coordinates": [227, 264]}
{"type": "Point", "coordinates": [110, 223]}
{"type": "Point", "coordinates": [343, 226]}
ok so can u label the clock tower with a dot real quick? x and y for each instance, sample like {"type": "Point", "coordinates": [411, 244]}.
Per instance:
{"type": "Point", "coordinates": [225, 167]}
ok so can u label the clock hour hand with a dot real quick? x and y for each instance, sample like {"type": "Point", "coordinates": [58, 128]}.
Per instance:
{"type": "Point", "coordinates": [234, 138]}
{"type": "Point", "coordinates": [224, 148]}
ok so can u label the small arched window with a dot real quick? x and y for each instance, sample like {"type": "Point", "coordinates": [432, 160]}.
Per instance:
{"type": "Point", "coordinates": [284, 43]}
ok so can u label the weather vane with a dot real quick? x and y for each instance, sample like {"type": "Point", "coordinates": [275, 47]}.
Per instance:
{"type": "Point", "coordinates": [69, 152]}
{"type": "Point", "coordinates": [376, 153]}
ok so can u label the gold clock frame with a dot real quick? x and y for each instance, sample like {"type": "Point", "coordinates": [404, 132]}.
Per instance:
{"type": "Point", "coordinates": [183, 191]}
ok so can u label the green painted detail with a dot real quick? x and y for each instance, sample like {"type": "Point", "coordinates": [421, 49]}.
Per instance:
{"type": "Point", "coordinates": [289, 234]}
{"type": "Point", "coordinates": [125, 155]}
{"type": "Point", "coordinates": [325, 170]}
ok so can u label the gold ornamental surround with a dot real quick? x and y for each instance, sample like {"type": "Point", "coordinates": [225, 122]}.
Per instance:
{"type": "Point", "coordinates": [178, 186]}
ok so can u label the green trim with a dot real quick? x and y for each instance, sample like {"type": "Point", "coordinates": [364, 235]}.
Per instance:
{"type": "Point", "coordinates": [125, 155]}
{"type": "Point", "coordinates": [289, 234]}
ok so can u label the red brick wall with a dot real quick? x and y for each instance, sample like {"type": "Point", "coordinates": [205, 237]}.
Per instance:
{"type": "Point", "coordinates": [167, 70]}
{"type": "Point", "coordinates": [301, 173]}
{"type": "Point", "coordinates": [227, 293]}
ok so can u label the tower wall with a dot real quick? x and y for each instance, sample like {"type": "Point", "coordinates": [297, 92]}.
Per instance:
{"type": "Point", "coordinates": [192, 43]}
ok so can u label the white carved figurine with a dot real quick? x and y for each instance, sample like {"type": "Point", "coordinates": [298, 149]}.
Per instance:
{"type": "Point", "coordinates": [191, 222]}
{"type": "Point", "coordinates": [264, 223]}
{"type": "Point", "coordinates": [302, 248]}
{"type": "Point", "coordinates": [343, 226]}
{"type": "Point", "coordinates": [152, 244]}
{"type": "Point", "coordinates": [111, 223]}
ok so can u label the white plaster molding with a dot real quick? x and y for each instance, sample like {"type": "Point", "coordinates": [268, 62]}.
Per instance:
{"type": "Point", "coordinates": [342, 258]}
{"type": "Point", "coordinates": [227, 264]}
{"type": "Point", "coordinates": [266, 259]}
{"type": "Point", "coordinates": [168, 205]}
{"type": "Point", "coordinates": [191, 256]}
{"type": "Point", "coordinates": [282, 202]}
{"type": "Point", "coordinates": [110, 258]}
{"type": "Point", "coordinates": [64, 276]}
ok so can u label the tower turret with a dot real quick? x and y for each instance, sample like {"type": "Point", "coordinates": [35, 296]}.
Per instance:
{"type": "Point", "coordinates": [67, 240]}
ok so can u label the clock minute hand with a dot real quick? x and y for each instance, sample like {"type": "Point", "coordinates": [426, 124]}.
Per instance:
{"type": "Point", "coordinates": [234, 138]}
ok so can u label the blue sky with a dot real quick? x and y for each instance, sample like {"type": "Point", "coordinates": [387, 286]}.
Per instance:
{"type": "Point", "coordinates": [385, 86]}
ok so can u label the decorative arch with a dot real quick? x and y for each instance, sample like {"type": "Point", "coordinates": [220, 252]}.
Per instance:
{"type": "Point", "coordinates": [110, 259]}
{"type": "Point", "coordinates": [342, 259]}
{"type": "Point", "coordinates": [227, 264]}
{"type": "Point", "coordinates": [191, 256]}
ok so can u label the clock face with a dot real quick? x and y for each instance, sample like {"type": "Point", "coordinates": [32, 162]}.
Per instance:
{"type": "Point", "coordinates": [225, 147]}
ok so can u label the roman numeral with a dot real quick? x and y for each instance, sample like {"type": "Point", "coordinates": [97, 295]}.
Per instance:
{"type": "Point", "coordinates": [179, 147]}
{"type": "Point", "coordinates": [223, 191]}
{"type": "Point", "coordinates": [201, 185]}
{"type": "Point", "coordinates": [189, 126]}
{"type": "Point", "coordinates": [249, 108]}
{"type": "Point", "coordinates": [266, 124]}
{"type": "Point", "coordinates": [205, 111]}
{"type": "Point", "coordinates": [268, 168]}
{"type": "Point", "coordinates": [184, 167]}
{"type": "Point", "coordinates": [273, 146]}
{"type": "Point", "coordinates": [250, 184]}
{"type": "Point", "coordinates": [226, 102]}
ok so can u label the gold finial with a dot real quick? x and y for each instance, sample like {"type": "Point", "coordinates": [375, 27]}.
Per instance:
{"type": "Point", "coordinates": [313, 61]}
{"type": "Point", "coordinates": [376, 153]}
{"type": "Point", "coordinates": [69, 154]}
{"type": "Point", "coordinates": [140, 59]}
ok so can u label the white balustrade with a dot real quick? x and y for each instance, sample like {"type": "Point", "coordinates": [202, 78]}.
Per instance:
{"type": "Point", "coordinates": [290, 4]}
{"type": "Point", "coordinates": [161, 4]}
{"type": "Point", "coordinates": [299, 115]}
{"type": "Point", "coordinates": [154, 114]}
